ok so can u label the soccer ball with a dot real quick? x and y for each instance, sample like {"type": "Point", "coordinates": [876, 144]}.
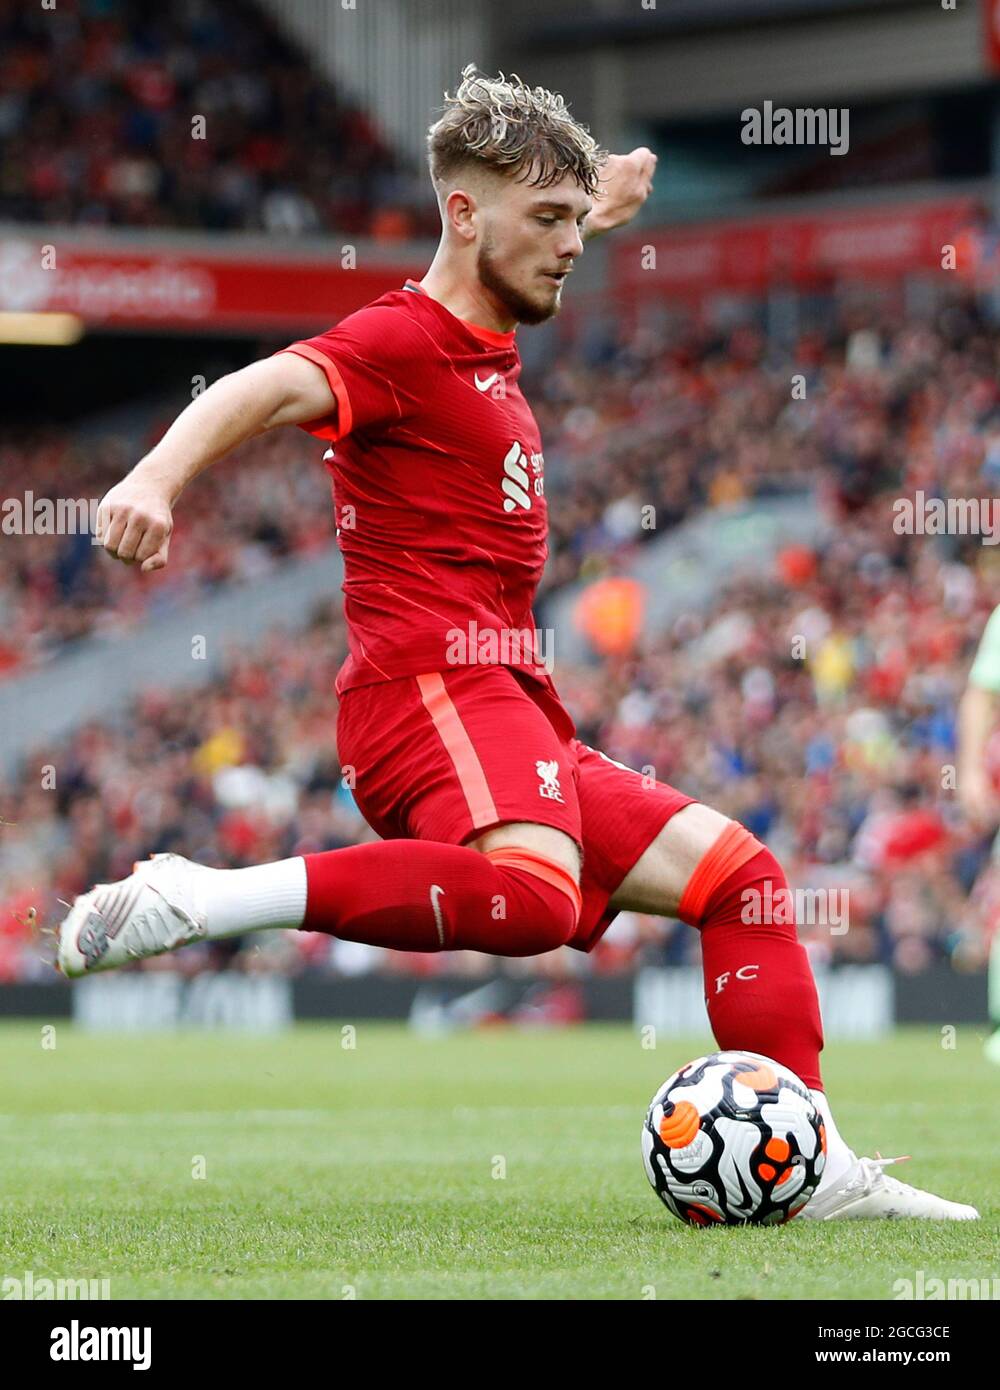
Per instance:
{"type": "Point", "coordinates": [732, 1139]}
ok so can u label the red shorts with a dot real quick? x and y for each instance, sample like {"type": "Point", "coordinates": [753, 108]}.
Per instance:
{"type": "Point", "coordinates": [448, 755]}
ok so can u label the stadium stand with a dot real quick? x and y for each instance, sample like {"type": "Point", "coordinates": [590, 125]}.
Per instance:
{"type": "Point", "coordinates": [816, 704]}
{"type": "Point", "coordinates": [97, 104]}
{"type": "Point", "coordinates": [270, 501]}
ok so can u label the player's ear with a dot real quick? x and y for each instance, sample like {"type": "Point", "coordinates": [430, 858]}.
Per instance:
{"type": "Point", "coordinates": [460, 213]}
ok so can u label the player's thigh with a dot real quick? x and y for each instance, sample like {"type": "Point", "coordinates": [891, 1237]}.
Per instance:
{"type": "Point", "coordinates": [542, 839]}
{"type": "Point", "coordinates": [657, 880]}
{"type": "Point", "coordinates": [626, 817]}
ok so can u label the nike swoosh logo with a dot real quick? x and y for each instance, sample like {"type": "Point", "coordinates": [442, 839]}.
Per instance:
{"type": "Point", "coordinates": [485, 385]}
{"type": "Point", "coordinates": [436, 892]}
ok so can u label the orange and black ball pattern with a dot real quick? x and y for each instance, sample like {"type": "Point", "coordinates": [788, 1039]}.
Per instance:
{"type": "Point", "coordinates": [733, 1139]}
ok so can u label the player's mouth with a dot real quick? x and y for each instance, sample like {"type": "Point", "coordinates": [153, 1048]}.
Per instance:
{"type": "Point", "coordinates": [556, 276]}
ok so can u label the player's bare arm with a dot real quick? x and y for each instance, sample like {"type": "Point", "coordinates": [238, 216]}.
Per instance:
{"type": "Point", "coordinates": [135, 518]}
{"type": "Point", "coordinates": [977, 718]}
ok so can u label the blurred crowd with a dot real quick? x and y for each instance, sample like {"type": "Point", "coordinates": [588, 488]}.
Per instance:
{"type": "Point", "coordinates": [240, 519]}
{"type": "Point", "coordinates": [815, 700]}
{"type": "Point", "coordinates": [196, 113]}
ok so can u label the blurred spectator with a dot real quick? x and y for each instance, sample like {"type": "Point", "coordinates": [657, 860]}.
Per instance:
{"type": "Point", "coordinates": [815, 703]}
{"type": "Point", "coordinates": [193, 113]}
{"type": "Point", "coordinates": [269, 501]}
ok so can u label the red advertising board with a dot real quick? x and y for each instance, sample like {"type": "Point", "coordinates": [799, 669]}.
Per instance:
{"type": "Point", "coordinates": [873, 243]}
{"type": "Point", "coordinates": [221, 288]}
{"type": "Point", "coordinates": [171, 289]}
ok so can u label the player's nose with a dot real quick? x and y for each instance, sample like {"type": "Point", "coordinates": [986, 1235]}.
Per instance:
{"type": "Point", "coordinates": [570, 245]}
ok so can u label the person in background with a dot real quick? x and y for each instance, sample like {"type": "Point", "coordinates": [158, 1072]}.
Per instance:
{"type": "Point", "coordinates": [978, 721]}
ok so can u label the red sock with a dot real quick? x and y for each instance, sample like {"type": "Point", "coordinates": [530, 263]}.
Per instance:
{"type": "Point", "coordinates": [508, 902]}
{"type": "Point", "coordinates": [759, 987]}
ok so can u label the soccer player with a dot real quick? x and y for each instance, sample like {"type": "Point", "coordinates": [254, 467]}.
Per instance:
{"type": "Point", "coordinates": [978, 717]}
{"type": "Point", "coordinates": [501, 831]}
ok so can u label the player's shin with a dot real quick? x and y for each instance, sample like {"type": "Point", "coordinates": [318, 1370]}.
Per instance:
{"type": "Point", "coordinates": [762, 998]}
{"type": "Point", "coordinates": [759, 987]}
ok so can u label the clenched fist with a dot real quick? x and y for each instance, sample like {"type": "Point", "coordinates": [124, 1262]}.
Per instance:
{"type": "Point", "coordinates": [134, 523]}
{"type": "Point", "coordinates": [626, 183]}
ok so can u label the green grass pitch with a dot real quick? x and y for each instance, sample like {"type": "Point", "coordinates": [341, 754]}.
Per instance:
{"type": "Point", "coordinates": [495, 1164]}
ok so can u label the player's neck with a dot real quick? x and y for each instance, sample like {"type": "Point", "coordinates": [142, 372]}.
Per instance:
{"type": "Point", "coordinates": [471, 302]}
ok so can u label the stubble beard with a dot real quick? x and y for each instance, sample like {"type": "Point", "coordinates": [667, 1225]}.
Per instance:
{"type": "Point", "coordinates": [520, 307]}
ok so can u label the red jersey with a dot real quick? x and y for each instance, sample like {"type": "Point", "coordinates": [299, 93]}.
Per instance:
{"type": "Point", "coordinates": [438, 490]}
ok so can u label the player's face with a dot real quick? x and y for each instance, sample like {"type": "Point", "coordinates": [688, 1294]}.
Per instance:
{"type": "Point", "coordinates": [530, 240]}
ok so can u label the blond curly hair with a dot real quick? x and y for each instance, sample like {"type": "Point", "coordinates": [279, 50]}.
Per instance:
{"type": "Point", "coordinates": [504, 125]}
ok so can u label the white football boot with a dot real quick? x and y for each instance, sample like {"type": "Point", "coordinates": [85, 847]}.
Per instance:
{"type": "Point", "coordinates": [866, 1191]}
{"type": "Point", "coordinates": [155, 909]}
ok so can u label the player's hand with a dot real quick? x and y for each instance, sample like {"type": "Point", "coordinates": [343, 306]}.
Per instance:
{"type": "Point", "coordinates": [978, 799]}
{"type": "Point", "coordinates": [626, 183]}
{"type": "Point", "coordinates": [134, 523]}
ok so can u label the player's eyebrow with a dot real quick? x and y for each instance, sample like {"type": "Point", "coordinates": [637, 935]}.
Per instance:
{"type": "Point", "coordinates": [555, 205]}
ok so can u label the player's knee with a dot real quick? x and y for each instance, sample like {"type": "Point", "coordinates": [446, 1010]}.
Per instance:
{"type": "Point", "coordinates": [735, 873]}
{"type": "Point", "coordinates": [764, 895]}
{"type": "Point", "coordinates": [556, 926]}
{"type": "Point", "coordinates": [739, 883]}
{"type": "Point", "coordinates": [541, 907]}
